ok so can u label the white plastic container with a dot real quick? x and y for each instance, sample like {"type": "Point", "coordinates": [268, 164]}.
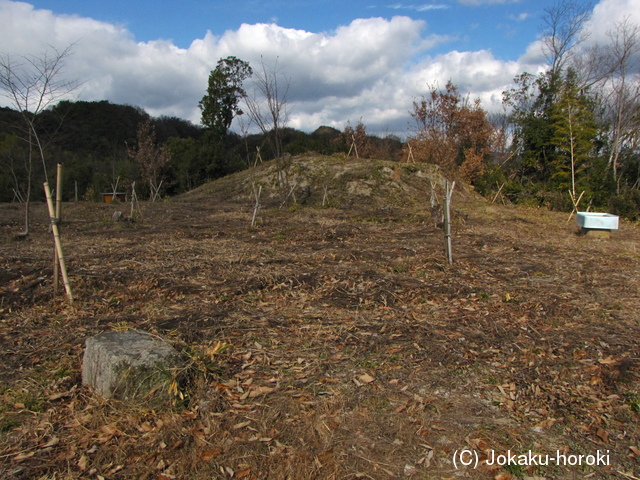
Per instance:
{"type": "Point", "coordinates": [597, 221]}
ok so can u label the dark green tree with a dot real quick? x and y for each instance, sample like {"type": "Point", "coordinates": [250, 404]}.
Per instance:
{"type": "Point", "coordinates": [531, 105]}
{"type": "Point", "coordinates": [221, 103]}
{"type": "Point", "coordinates": [574, 132]}
{"type": "Point", "coordinates": [188, 170]}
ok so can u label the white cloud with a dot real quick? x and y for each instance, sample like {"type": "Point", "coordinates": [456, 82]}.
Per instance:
{"type": "Point", "coordinates": [608, 13]}
{"type": "Point", "coordinates": [519, 18]}
{"type": "Point", "coordinates": [371, 68]}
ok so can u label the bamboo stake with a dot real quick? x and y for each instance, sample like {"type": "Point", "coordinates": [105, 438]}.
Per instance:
{"type": "Point", "coordinates": [575, 204]}
{"type": "Point", "coordinates": [498, 194]}
{"type": "Point", "coordinates": [56, 237]}
{"type": "Point", "coordinates": [134, 201]}
{"type": "Point", "coordinates": [447, 220]}
{"type": "Point", "coordinates": [58, 218]}
{"type": "Point", "coordinates": [59, 192]}
{"type": "Point", "coordinates": [115, 189]}
{"type": "Point", "coordinates": [256, 208]}
{"type": "Point", "coordinates": [258, 157]}
{"type": "Point", "coordinates": [353, 147]}
{"type": "Point", "coordinates": [410, 157]}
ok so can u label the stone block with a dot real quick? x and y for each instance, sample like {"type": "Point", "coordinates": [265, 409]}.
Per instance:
{"type": "Point", "coordinates": [595, 232]}
{"type": "Point", "coordinates": [131, 366]}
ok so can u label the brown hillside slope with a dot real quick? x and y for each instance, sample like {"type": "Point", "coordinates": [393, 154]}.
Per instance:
{"type": "Point", "coordinates": [327, 342]}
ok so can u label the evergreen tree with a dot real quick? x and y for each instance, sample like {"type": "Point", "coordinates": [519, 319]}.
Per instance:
{"type": "Point", "coordinates": [221, 103]}
{"type": "Point", "coordinates": [574, 130]}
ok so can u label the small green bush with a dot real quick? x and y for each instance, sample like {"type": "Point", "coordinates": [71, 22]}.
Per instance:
{"type": "Point", "coordinates": [626, 205]}
{"type": "Point", "coordinates": [556, 200]}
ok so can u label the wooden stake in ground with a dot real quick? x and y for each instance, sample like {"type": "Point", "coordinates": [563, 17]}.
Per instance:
{"type": "Point", "coordinates": [410, 157]}
{"type": "Point", "coordinates": [499, 194]}
{"type": "Point", "coordinates": [134, 201]}
{"type": "Point", "coordinates": [56, 238]}
{"type": "Point", "coordinates": [325, 187]}
{"type": "Point", "coordinates": [447, 220]}
{"type": "Point", "coordinates": [258, 157]}
{"type": "Point", "coordinates": [353, 147]}
{"type": "Point", "coordinates": [256, 208]}
{"type": "Point", "coordinates": [291, 193]}
{"type": "Point", "coordinates": [156, 191]}
{"type": "Point", "coordinates": [575, 204]}
{"type": "Point", "coordinates": [58, 219]}
{"type": "Point", "coordinates": [115, 189]}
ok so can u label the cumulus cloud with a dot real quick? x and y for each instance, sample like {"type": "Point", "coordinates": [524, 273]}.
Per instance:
{"type": "Point", "coordinates": [608, 13]}
{"type": "Point", "coordinates": [370, 69]}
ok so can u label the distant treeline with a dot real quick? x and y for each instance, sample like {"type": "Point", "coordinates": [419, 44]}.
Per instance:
{"type": "Point", "coordinates": [94, 141]}
{"type": "Point", "coordinates": [518, 158]}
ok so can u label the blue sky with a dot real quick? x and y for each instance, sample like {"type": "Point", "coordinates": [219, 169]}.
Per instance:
{"type": "Point", "coordinates": [505, 27]}
{"type": "Point", "coordinates": [345, 61]}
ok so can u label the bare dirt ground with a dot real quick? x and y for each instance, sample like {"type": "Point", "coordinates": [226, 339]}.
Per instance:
{"type": "Point", "coordinates": [326, 343]}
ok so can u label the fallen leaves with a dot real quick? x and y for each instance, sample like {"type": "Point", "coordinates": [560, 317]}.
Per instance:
{"type": "Point", "coordinates": [52, 442]}
{"type": "Point", "coordinates": [368, 367]}
{"type": "Point", "coordinates": [107, 432]}
{"type": "Point", "coordinates": [259, 390]}
{"type": "Point", "coordinates": [20, 457]}
{"type": "Point", "coordinates": [240, 425]}
{"type": "Point", "coordinates": [82, 463]}
{"type": "Point", "coordinates": [602, 434]}
{"type": "Point", "coordinates": [208, 455]}
{"type": "Point", "coordinates": [363, 379]}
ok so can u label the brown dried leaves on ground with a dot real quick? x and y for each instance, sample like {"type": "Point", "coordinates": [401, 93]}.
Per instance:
{"type": "Point", "coordinates": [325, 343]}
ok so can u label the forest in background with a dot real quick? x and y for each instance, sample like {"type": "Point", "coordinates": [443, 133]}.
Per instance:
{"type": "Point", "coordinates": [94, 141]}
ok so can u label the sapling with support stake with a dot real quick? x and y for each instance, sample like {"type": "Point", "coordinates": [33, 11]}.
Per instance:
{"type": "Point", "coordinates": [58, 244]}
{"type": "Point", "coordinates": [114, 187]}
{"type": "Point", "coordinates": [256, 207]}
{"type": "Point", "coordinates": [289, 195]}
{"type": "Point", "coordinates": [258, 157]}
{"type": "Point", "coordinates": [410, 157]}
{"type": "Point", "coordinates": [499, 194]}
{"type": "Point", "coordinates": [575, 203]}
{"type": "Point", "coordinates": [58, 219]}
{"type": "Point", "coordinates": [134, 202]}
{"type": "Point", "coordinates": [447, 220]}
{"type": "Point", "coordinates": [353, 147]}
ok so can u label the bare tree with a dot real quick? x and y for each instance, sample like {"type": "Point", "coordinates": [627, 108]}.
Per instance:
{"type": "Point", "coordinates": [504, 147]}
{"type": "Point", "coordinates": [563, 31]}
{"type": "Point", "coordinates": [268, 109]}
{"type": "Point", "coordinates": [621, 90]}
{"type": "Point", "coordinates": [151, 158]}
{"type": "Point", "coordinates": [32, 84]}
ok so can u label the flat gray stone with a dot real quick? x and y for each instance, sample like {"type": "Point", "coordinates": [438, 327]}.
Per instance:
{"type": "Point", "coordinates": [131, 366]}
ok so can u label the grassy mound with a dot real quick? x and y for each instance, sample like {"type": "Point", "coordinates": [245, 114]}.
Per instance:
{"type": "Point", "coordinates": [318, 180]}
